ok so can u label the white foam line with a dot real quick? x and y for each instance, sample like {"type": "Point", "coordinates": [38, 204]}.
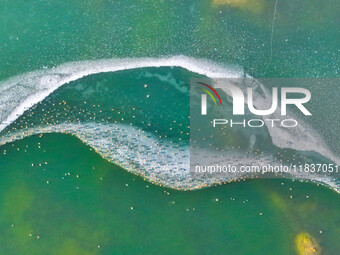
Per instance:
{"type": "Point", "coordinates": [47, 81]}
{"type": "Point", "coordinates": [157, 160]}
{"type": "Point", "coordinates": [20, 93]}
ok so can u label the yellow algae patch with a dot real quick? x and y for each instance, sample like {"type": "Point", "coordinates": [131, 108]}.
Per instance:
{"type": "Point", "coordinates": [251, 5]}
{"type": "Point", "coordinates": [306, 245]}
{"type": "Point", "coordinates": [72, 247]}
{"type": "Point", "coordinates": [78, 237]}
{"type": "Point", "coordinates": [17, 202]}
{"type": "Point", "coordinates": [278, 202]}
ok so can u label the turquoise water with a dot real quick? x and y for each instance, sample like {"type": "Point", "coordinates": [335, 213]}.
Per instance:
{"type": "Point", "coordinates": [90, 91]}
{"type": "Point", "coordinates": [305, 39]}
{"type": "Point", "coordinates": [59, 197]}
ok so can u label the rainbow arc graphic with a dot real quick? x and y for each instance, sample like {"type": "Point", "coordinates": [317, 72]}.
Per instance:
{"type": "Point", "coordinates": [204, 97]}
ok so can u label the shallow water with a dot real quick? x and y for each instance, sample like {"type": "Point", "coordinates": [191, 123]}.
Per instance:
{"type": "Point", "coordinates": [57, 195]}
{"type": "Point", "coordinates": [139, 119]}
{"type": "Point", "coordinates": [116, 75]}
{"type": "Point", "coordinates": [304, 42]}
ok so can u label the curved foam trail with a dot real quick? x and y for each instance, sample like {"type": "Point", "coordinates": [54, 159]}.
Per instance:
{"type": "Point", "coordinates": [157, 160]}
{"type": "Point", "coordinates": [142, 153]}
{"type": "Point", "coordinates": [24, 91]}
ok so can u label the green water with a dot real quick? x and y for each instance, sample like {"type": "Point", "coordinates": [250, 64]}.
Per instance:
{"type": "Point", "coordinates": [75, 201]}
{"type": "Point", "coordinates": [305, 39]}
{"type": "Point", "coordinates": [58, 196]}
